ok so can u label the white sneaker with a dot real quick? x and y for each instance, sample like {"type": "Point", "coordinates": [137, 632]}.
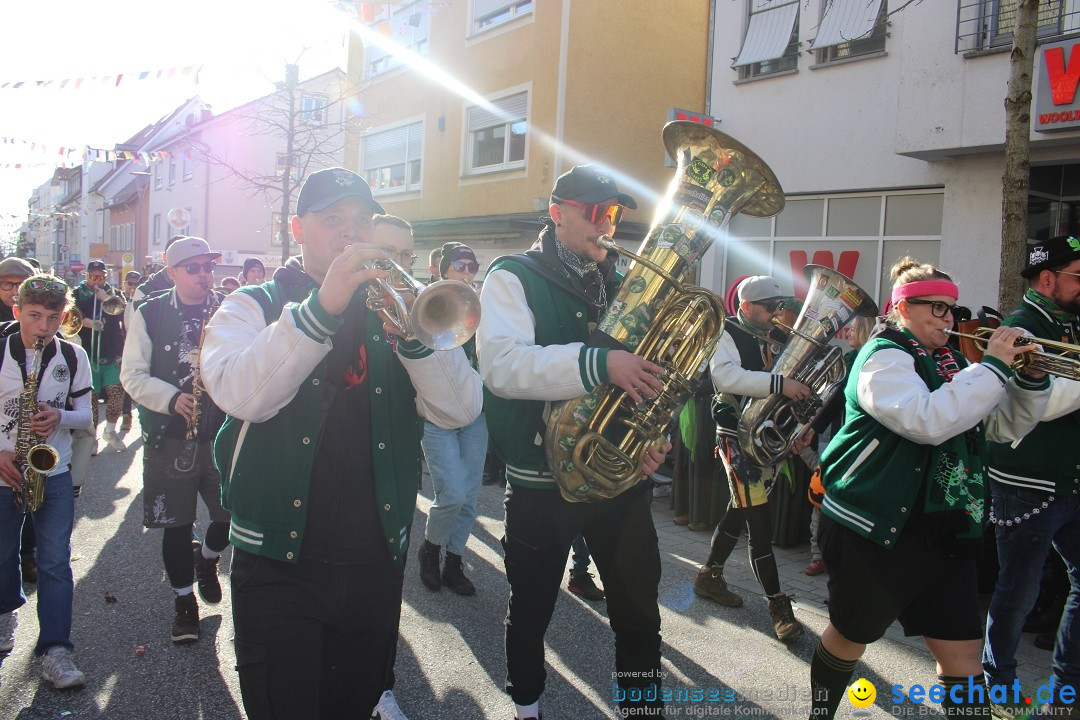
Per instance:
{"type": "Point", "coordinates": [388, 709]}
{"type": "Point", "coordinates": [114, 440]}
{"type": "Point", "coordinates": [58, 667]}
{"type": "Point", "coordinates": [8, 622]}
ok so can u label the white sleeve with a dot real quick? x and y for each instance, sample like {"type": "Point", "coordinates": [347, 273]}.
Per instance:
{"type": "Point", "coordinates": [1018, 413]}
{"type": "Point", "coordinates": [80, 417]}
{"type": "Point", "coordinates": [729, 376]}
{"type": "Point", "coordinates": [150, 392]}
{"type": "Point", "coordinates": [449, 393]}
{"type": "Point", "coordinates": [893, 393]}
{"type": "Point", "coordinates": [1064, 398]}
{"type": "Point", "coordinates": [251, 369]}
{"type": "Point", "coordinates": [512, 365]}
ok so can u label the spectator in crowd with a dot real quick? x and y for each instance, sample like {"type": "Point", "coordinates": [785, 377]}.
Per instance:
{"type": "Point", "coordinates": [253, 273]}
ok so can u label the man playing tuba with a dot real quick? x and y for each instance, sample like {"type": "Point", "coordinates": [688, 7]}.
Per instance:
{"type": "Point", "coordinates": [537, 313]}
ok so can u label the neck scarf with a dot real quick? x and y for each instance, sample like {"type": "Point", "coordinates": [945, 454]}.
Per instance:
{"type": "Point", "coordinates": [587, 270]}
{"type": "Point", "coordinates": [1062, 316]}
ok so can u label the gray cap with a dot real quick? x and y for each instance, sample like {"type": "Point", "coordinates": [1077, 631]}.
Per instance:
{"type": "Point", "coordinates": [759, 287]}
{"type": "Point", "coordinates": [186, 248]}
{"type": "Point", "coordinates": [16, 266]}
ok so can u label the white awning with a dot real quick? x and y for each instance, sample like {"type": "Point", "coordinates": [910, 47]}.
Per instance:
{"type": "Point", "coordinates": [846, 20]}
{"type": "Point", "coordinates": [769, 31]}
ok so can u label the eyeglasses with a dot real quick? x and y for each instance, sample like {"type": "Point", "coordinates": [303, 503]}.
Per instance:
{"type": "Point", "coordinates": [938, 308]}
{"type": "Point", "coordinates": [771, 305]}
{"type": "Point", "coordinates": [196, 268]}
{"type": "Point", "coordinates": [465, 266]}
{"type": "Point", "coordinates": [1059, 272]}
{"type": "Point", "coordinates": [51, 285]}
{"type": "Point", "coordinates": [9, 285]}
{"type": "Point", "coordinates": [405, 258]}
{"type": "Point", "coordinates": [596, 213]}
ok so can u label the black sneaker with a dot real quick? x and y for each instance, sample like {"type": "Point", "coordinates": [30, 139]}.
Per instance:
{"type": "Point", "coordinates": [206, 572]}
{"type": "Point", "coordinates": [453, 576]}
{"type": "Point", "coordinates": [583, 585]}
{"type": "Point", "coordinates": [429, 565]}
{"type": "Point", "coordinates": [185, 628]}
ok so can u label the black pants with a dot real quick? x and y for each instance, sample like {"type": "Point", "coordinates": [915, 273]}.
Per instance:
{"type": "Point", "coordinates": [540, 526]}
{"type": "Point", "coordinates": [313, 640]}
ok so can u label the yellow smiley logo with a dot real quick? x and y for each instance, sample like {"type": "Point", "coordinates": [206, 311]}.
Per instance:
{"type": "Point", "coordinates": [862, 693]}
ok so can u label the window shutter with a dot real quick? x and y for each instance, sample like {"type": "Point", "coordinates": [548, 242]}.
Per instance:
{"type": "Point", "coordinates": [416, 139]}
{"type": "Point", "coordinates": [483, 8]}
{"type": "Point", "coordinates": [769, 32]}
{"type": "Point", "coordinates": [507, 109]}
{"type": "Point", "coordinates": [385, 148]}
{"type": "Point", "coordinates": [847, 20]}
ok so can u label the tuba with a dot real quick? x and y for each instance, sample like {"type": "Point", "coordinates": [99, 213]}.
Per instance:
{"type": "Point", "coordinates": [769, 425]}
{"type": "Point", "coordinates": [596, 444]}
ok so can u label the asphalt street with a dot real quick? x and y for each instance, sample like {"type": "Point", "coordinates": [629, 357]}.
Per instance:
{"type": "Point", "coordinates": [450, 663]}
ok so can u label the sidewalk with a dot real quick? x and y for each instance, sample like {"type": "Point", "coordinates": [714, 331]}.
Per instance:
{"type": "Point", "coordinates": [687, 549]}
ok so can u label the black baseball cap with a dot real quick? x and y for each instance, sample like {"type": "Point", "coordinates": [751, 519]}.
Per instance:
{"type": "Point", "coordinates": [589, 184]}
{"type": "Point", "coordinates": [95, 265]}
{"type": "Point", "coordinates": [325, 187]}
{"type": "Point", "coordinates": [1057, 252]}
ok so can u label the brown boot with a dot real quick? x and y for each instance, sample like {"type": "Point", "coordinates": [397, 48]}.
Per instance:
{"type": "Point", "coordinates": [784, 623]}
{"type": "Point", "coordinates": [710, 584]}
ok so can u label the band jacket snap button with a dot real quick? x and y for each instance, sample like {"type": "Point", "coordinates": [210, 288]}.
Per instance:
{"type": "Point", "coordinates": [306, 441]}
{"type": "Point", "coordinates": [293, 534]}
{"type": "Point", "coordinates": [296, 503]}
{"type": "Point", "coordinates": [289, 556]}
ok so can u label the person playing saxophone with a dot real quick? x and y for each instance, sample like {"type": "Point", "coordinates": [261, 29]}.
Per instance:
{"type": "Point", "coordinates": [30, 353]}
{"type": "Point", "coordinates": [158, 371]}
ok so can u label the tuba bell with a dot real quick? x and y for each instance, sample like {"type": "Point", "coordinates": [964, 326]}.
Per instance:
{"type": "Point", "coordinates": [596, 445]}
{"type": "Point", "coordinates": [769, 425]}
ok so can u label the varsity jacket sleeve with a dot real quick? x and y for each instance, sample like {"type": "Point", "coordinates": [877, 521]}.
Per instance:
{"type": "Point", "coordinates": [251, 369]}
{"type": "Point", "coordinates": [80, 417]}
{"type": "Point", "coordinates": [891, 391]}
{"type": "Point", "coordinates": [449, 393]}
{"type": "Point", "coordinates": [729, 376]}
{"type": "Point", "coordinates": [513, 366]}
{"type": "Point", "coordinates": [1064, 399]}
{"type": "Point", "coordinates": [150, 392]}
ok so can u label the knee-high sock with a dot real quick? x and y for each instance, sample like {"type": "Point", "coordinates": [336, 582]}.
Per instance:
{"type": "Point", "coordinates": [977, 705]}
{"type": "Point", "coordinates": [829, 678]}
{"type": "Point", "coordinates": [759, 528]}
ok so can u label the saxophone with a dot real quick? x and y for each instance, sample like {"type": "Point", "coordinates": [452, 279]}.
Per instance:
{"type": "Point", "coordinates": [36, 460]}
{"type": "Point", "coordinates": [596, 444]}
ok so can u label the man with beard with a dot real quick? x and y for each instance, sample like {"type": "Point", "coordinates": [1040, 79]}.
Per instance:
{"type": "Point", "coordinates": [160, 362]}
{"type": "Point", "coordinates": [1034, 483]}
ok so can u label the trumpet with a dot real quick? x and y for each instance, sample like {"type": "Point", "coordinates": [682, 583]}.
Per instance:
{"type": "Point", "coordinates": [1066, 364]}
{"type": "Point", "coordinates": [445, 314]}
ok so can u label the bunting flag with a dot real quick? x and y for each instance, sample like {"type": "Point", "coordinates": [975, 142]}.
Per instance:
{"type": "Point", "coordinates": [66, 156]}
{"type": "Point", "coordinates": [191, 71]}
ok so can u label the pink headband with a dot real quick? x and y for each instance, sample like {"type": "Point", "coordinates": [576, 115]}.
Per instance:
{"type": "Point", "coordinates": [920, 288]}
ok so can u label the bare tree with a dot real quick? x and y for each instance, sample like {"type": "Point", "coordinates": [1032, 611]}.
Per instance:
{"type": "Point", "coordinates": [1016, 180]}
{"type": "Point", "coordinates": [311, 138]}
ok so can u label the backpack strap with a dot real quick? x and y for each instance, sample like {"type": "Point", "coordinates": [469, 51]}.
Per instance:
{"type": "Point", "coordinates": [72, 360]}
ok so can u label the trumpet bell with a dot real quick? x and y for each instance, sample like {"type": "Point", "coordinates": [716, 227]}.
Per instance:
{"type": "Point", "coordinates": [71, 324]}
{"type": "Point", "coordinates": [445, 314]}
{"type": "Point", "coordinates": [114, 305]}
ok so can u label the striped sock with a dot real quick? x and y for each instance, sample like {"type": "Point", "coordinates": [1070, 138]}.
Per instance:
{"type": "Point", "coordinates": [829, 678]}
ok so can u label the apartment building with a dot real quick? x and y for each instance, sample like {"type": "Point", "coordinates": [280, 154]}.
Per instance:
{"type": "Point", "coordinates": [886, 129]}
{"type": "Point", "coordinates": [512, 93]}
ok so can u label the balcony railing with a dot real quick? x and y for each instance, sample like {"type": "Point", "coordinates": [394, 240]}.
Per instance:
{"type": "Point", "coordinates": [988, 24]}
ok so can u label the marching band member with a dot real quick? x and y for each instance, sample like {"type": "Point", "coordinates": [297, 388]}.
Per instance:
{"type": "Point", "coordinates": [1036, 493]}
{"type": "Point", "coordinates": [531, 347]}
{"type": "Point", "coordinates": [740, 369]}
{"type": "Point", "coordinates": [905, 486]}
{"type": "Point", "coordinates": [102, 336]}
{"type": "Point", "coordinates": [160, 370]}
{"type": "Point", "coordinates": [319, 461]}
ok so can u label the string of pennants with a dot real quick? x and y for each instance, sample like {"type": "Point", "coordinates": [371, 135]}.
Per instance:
{"type": "Point", "coordinates": [71, 156]}
{"type": "Point", "coordinates": [113, 80]}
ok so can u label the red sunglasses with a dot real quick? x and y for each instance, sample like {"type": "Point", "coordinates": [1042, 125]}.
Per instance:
{"type": "Point", "coordinates": [596, 213]}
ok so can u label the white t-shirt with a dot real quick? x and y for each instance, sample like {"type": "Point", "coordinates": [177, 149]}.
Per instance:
{"type": "Point", "coordinates": [53, 387]}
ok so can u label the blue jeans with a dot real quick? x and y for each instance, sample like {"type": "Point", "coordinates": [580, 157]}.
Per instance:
{"type": "Point", "coordinates": [455, 459]}
{"type": "Point", "coordinates": [52, 522]}
{"type": "Point", "coordinates": [1022, 551]}
{"type": "Point", "coordinates": [581, 556]}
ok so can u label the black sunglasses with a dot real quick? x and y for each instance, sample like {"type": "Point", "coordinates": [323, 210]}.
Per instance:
{"type": "Point", "coordinates": [938, 308]}
{"type": "Point", "coordinates": [194, 268]}
{"type": "Point", "coordinates": [771, 305]}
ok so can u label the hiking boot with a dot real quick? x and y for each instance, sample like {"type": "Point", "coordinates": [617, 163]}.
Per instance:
{"type": "Point", "coordinates": [58, 667]}
{"type": "Point", "coordinates": [8, 622]}
{"type": "Point", "coordinates": [125, 424]}
{"type": "Point", "coordinates": [29, 568]}
{"type": "Point", "coordinates": [114, 441]}
{"type": "Point", "coordinates": [453, 575]}
{"type": "Point", "coordinates": [784, 623]}
{"type": "Point", "coordinates": [710, 584]}
{"type": "Point", "coordinates": [429, 566]}
{"type": "Point", "coordinates": [206, 572]}
{"type": "Point", "coordinates": [388, 709]}
{"type": "Point", "coordinates": [185, 628]}
{"type": "Point", "coordinates": [582, 584]}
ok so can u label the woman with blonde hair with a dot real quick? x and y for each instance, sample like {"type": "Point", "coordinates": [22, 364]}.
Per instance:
{"type": "Point", "coordinates": [905, 486]}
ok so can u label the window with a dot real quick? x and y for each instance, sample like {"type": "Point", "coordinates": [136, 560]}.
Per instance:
{"type": "Point", "coordinates": [392, 158]}
{"type": "Point", "coordinates": [410, 28]}
{"type": "Point", "coordinates": [986, 24]}
{"type": "Point", "coordinates": [771, 44]}
{"type": "Point", "coordinates": [496, 135]}
{"type": "Point", "coordinates": [172, 168]}
{"type": "Point", "coordinates": [281, 167]}
{"type": "Point", "coordinates": [112, 238]}
{"type": "Point", "coordinates": [157, 229]}
{"type": "Point", "coordinates": [489, 13]}
{"type": "Point", "coordinates": [275, 230]}
{"type": "Point", "coordinates": [157, 174]}
{"type": "Point", "coordinates": [850, 28]}
{"type": "Point", "coordinates": [313, 109]}
{"type": "Point", "coordinates": [187, 164]}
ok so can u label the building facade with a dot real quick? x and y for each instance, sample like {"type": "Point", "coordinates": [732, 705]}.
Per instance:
{"type": "Point", "coordinates": [887, 133]}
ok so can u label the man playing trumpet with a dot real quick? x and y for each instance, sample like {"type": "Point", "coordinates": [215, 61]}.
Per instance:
{"type": "Point", "coordinates": [102, 337]}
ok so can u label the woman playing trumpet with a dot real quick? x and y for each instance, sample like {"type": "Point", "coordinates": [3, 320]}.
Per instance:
{"type": "Point", "coordinates": [905, 485]}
